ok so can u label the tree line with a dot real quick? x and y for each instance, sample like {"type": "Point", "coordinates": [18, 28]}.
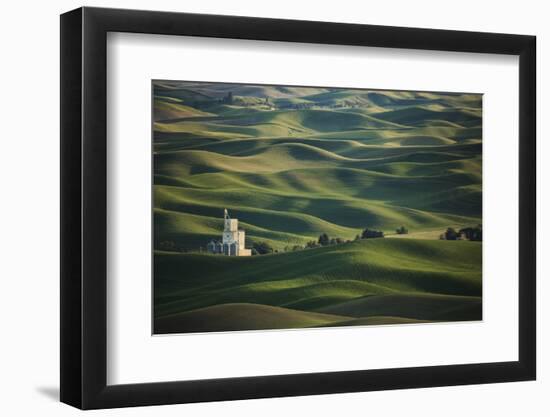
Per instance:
{"type": "Point", "coordinates": [263, 248]}
{"type": "Point", "coordinates": [474, 234]}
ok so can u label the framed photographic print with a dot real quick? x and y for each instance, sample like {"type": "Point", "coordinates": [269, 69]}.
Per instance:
{"type": "Point", "coordinates": [257, 208]}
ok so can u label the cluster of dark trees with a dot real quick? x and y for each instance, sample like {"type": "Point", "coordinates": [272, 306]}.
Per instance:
{"type": "Point", "coordinates": [262, 248]}
{"type": "Point", "coordinates": [474, 234]}
{"type": "Point", "coordinates": [298, 106]}
{"type": "Point", "coordinates": [324, 240]}
{"type": "Point", "coordinates": [371, 234]}
{"type": "Point", "coordinates": [449, 234]}
{"type": "Point", "coordinates": [466, 233]}
{"type": "Point", "coordinates": [402, 230]}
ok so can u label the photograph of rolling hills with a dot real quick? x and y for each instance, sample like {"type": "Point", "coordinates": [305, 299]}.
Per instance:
{"type": "Point", "coordinates": [291, 207]}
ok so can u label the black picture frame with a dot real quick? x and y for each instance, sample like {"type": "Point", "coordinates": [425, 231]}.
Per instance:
{"type": "Point", "coordinates": [84, 207]}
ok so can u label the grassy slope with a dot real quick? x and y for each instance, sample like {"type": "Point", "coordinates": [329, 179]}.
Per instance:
{"type": "Point", "coordinates": [243, 316]}
{"type": "Point", "coordinates": [375, 159]}
{"type": "Point", "coordinates": [309, 186]}
{"type": "Point", "coordinates": [415, 279]}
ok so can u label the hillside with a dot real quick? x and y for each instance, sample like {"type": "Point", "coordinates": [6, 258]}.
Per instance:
{"type": "Point", "coordinates": [292, 163]}
{"type": "Point", "coordinates": [417, 280]}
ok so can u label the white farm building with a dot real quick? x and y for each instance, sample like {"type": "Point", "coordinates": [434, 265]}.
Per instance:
{"type": "Point", "coordinates": [232, 243]}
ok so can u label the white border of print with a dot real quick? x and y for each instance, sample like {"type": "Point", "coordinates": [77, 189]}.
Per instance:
{"type": "Point", "coordinates": [134, 356]}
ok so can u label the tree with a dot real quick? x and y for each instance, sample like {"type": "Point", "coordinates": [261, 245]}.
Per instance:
{"type": "Point", "coordinates": [371, 234]}
{"type": "Point", "coordinates": [451, 234]}
{"type": "Point", "coordinates": [323, 240]}
{"type": "Point", "coordinates": [402, 230]}
{"type": "Point", "coordinates": [478, 234]}
{"type": "Point", "coordinates": [472, 233]}
{"type": "Point", "coordinates": [312, 244]}
{"type": "Point", "coordinates": [357, 237]}
{"type": "Point", "coordinates": [262, 248]}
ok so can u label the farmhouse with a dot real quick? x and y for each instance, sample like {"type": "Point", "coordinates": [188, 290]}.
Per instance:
{"type": "Point", "coordinates": [232, 243]}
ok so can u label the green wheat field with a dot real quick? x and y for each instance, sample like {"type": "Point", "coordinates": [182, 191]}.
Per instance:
{"type": "Point", "coordinates": [360, 207]}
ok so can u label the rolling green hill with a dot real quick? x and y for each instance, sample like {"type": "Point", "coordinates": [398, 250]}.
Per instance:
{"type": "Point", "coordinates": [419, 280]}
{"type": "Point", "coordinates": [292, 163]}
{"type": "Point", "coordinates": [242, 316]}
